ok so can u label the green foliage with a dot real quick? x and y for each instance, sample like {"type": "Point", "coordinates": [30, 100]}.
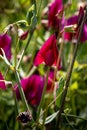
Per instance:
{"type": "Point", "coordinates": [59, 90]}
{"type": "Point", "coordinates": [31, 17]}
{"type": "Point", "coordinates": [14, 12]}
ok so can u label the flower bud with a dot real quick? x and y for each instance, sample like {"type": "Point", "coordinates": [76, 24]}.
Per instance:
{"type": "Point", "coordinates": [22, 35]}
{"type": "Point", "coordinates": [24, 117]}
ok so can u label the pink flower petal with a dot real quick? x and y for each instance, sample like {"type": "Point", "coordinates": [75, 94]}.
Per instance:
{"type": "Point", "coordinates": [2, 82]}
{"type": "Point", "coordinates": [32, 87]}
{"type": "Point", "coordinates": [5, 44]}
{"type": "Point", "coordinates": [52, 15]}
{"type": "Point", "coordinates": [48, 52]}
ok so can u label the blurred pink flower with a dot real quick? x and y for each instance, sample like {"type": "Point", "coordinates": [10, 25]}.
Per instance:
{"type": "Point", "coordinates": [76, 19]}
{"type": "Point", "coordinates": [33, 87]}
{"type": "Point", "coordinates": [5, 44]}
{"type": "Point", "coordinates": [71, 21]}
{"type": "Point", "coordinates": [54, 8]}
{"type": "Point", "coordinates": [2, 82]}
{"type": "Point", "coordinates": [48, 52]}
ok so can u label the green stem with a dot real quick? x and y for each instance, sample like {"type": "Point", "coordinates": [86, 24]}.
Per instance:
{"type": "Point", "coordinates": [16, 109]}
{"type": "Point", "coordinates": [44, 118]}
{"type": "Point", "coordinates": [23, 52]}
{"type": "Point", "coordinates": [52, 103]}
{"type": "Point", "coordinates": [69, 122]}
{"type": "Point", "coordinates": [15, 55]}
{"type": "Point", "coordinates": [29, 39]}
{"type": "Point", "coordinates": [21, 91]}
{"type": "Point", "coordinates": [16, 104]}
{"type": "Point", "coordinates": [74, 116]}
{"type": "Point", "coordinates": [70, 72]}
{"type": "Point", "coordinates": [32, 71]}
{"type": "Point", "coordinates": [58, 61]}
{"type": "Point", "coordinates": [43, 94]}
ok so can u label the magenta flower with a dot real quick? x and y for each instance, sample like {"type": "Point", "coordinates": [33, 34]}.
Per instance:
{"type": "Point", "coordinates": [32, 87]}
{"type": "Point", "coordinates": [2, 82]}
{"type": "Point", "coordinates": [48, 53]}
{"type": "Point", "coordinates": [76, 19]}
{"type": "Point", "coordinates": [54, 8]}
{"type": "Point", "coordinates": [5, 44]}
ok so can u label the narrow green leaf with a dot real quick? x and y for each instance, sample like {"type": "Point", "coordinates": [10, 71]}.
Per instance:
{"type": "Point", "coordinates": [49, 118]}
{"type": "Point", "coordinates": [60, 88]}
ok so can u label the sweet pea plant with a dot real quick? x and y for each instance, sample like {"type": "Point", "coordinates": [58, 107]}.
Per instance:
{"type": "Point", "coordinates": [43, 67]}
